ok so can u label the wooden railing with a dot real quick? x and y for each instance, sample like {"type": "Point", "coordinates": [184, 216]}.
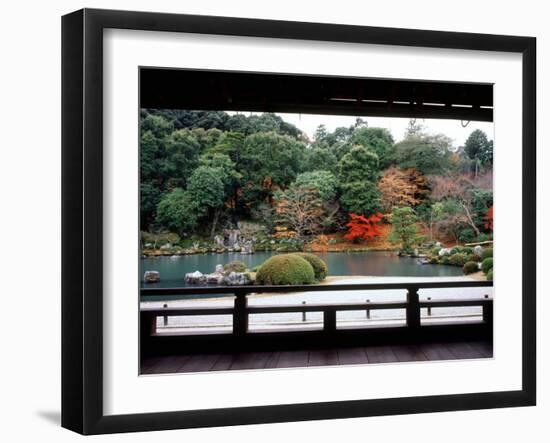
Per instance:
{"type": "Point", "coordinates": [240, 311]}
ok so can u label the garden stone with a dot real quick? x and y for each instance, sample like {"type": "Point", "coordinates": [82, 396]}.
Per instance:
{"type": "Point", "coordinates": [444, 251]}
{"type": "Point", "coordinates": [218, 240]}
{"type": "Point", "coordinates": [218, 269]}
{"type": "Point", "coordinates": [215, 278]}
{"type": "Point", "coordinates": [237, 279]}
{"type": "Point", "coordinates": [246, 248]}
{"type": "Point", "coordinates": [233, 237]}
{"type": "Point", "coordinates": [151, 276]}
{"type": "Point", "coordinates": [195, 278]}
{"type": "Point", "coordinates": [478, 250]}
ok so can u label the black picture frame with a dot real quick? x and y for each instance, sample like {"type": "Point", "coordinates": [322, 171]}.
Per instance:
{"type": "Point", "coordinates": [82, 218]}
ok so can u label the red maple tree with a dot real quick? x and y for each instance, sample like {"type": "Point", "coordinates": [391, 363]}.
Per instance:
{"type": "Point", "coordinates": [363, 228]}
{"type": "Point", "coordinates": [488, 219]}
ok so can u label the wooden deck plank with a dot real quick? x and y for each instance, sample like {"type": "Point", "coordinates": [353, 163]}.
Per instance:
{"type": "Point", "coordinates": [148, 363]}
{"type": "Point", "coordinates": [199, 363]}
{"type": "Point", "coordinates": [224, 362]}
{"type": "Point", "coordinates": [293, 359]}
{"type": "Point", "coordinates": [167, 365]}
{"type": "Point", "coordinates": [484, 347]}
{"type": "Point", "coordinates": [380, 354]}
{"type": "Point", "coordinates": [408, 353]}
{"type": "Point", "coordinates": [273, 360]}
{"type": "Point", "coordinates": [437, 351]}
{"type": "Point", "coordinates": [463, 350]}
{"type": "Point", "coordinates": [251, 360]}
{"type": "Point", "coordinates": [352, 356]}
{"type": "Point", "coordinates": [323, 357]}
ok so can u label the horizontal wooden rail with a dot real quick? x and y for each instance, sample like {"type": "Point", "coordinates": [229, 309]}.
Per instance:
{"type": "Point", "coordinates": [191, 310]}
{"type": "Point", "coordinates": [235, 290]}
{"type": "Point", "coordinates": [241, 310]}
{"type": "Point", "coordinates": [455, 303]}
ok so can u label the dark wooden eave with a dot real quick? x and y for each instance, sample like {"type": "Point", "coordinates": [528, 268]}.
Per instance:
{"type": "Point", "coordinates": [261, 92]}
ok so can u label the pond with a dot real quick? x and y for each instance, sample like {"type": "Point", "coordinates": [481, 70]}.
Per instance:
{"type": "Point", "coordinates": [373, 263]}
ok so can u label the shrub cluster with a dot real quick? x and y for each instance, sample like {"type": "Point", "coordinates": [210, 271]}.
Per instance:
{"type": "Point", "coordinates": [487, 253]}
{"type": "Point", "coordinates": [320, 268]}
{"type": "Point", "coordinates": [473, 257]}
{"type": "Point", "coordinates": [457, 259]}
{"type": "Point", "coordinates": [490, 275]}
{"type": "Point", "coordinates": [470, 267]}
{"type": "Point", "coordinates": [292, 269]}
{"type": "Point", "coordinates": [235, 266]}
{"type": "Point", "coordinates": [487, 265]}
{"type": "Point", "coordinates": [286, 269]}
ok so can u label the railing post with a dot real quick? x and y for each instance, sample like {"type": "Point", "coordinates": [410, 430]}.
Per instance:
{"type": "Point", "coordinates": [488, 311]}
{"type": "Point", "coordinates": [413, 308]}
{"type": "Point", "coordinates": [148, 327]}
{"type": "Point", "coordinates": [329, 320]}
{"type": "Point", "coordinates": [304, 312]}
{"type": "Point", "coordinates": [240, 314]}
{"type": "Point", "coordinates": [368, 310]}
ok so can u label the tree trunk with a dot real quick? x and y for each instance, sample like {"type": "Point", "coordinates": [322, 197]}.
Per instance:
{"type": "Point", "coordinates": [470, 220]}
{"type": "Point", "coordinates": [214, 223]}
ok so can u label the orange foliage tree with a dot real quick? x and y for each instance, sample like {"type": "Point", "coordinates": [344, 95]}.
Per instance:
{"type": "Point", "coordinates": [402, 187]}
{"type": "Point", "coordinates": [488, 219]}
{"type": "Point", "coordinates": [363, 228]}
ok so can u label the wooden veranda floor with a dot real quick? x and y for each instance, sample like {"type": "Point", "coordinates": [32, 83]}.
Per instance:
{"type": "Point", "coordinates": [322, 357]}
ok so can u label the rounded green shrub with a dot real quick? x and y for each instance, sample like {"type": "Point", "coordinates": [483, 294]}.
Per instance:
{"type": "Point", "coordinates": [490, 275]}
{"type": "Point", "coordinates": [285, 269]}
{"type": "Point", "coordinates": [473, 257]}
{"type": "Point", "coordinates": [470, 267]}
{"type": "Point", "coordinates": [487, 265]}
{"type": "Point", "coordinates": [457, 259]}
{"type": "Point", "coordinates": [320, 268]}
{"type": "Point", "coordinates": [235, 266]}
{"type": "Point", "coordinates": [487, 253]}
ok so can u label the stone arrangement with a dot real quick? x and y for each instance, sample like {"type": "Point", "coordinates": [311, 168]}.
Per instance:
{"type": "Point", "coordinates": [218, 277]}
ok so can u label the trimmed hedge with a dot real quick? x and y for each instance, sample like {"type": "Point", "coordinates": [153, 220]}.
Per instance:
{"type": "Point", "coordinates": [473, 257]}
{"type": "Point", "coordinates": [487, 253]}
{"type": "Point", "coordinates": [286, 269]}
{"type": "Point", "coordinates": [490, 275]}
{"type": "Point", "coordinates": [320, 268]}
{"type": "Point", "coordinates": [487, 265]}
{"type": "Point", "coordinates": [235, 266]}
{"type": "Point", "coordinates": [457, 259]}
{"type": "Point", "coordinates": [470, 267]}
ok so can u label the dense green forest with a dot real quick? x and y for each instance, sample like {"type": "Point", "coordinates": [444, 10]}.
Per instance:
{"type": "Point", "coordinates": [204, 171]}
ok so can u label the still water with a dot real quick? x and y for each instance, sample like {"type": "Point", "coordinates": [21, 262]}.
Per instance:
{"type": "Point", "coordinates": [375, 263]}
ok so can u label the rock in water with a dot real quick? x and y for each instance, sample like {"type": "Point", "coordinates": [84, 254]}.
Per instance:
{"type": "Point", "coordinates": [237, 279]}
{"type": "Point", "coordinates": [219, 269]}
{"type": "Point", "coordinates": [151, 276]}
{"type": "Point", "coordinates": [215, 278]}
{"type": "Point", "coordinates": [195, 278]}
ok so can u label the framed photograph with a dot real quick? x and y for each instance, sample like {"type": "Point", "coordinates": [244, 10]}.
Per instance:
{"type": "Point", "coordinates": [269, 221]}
